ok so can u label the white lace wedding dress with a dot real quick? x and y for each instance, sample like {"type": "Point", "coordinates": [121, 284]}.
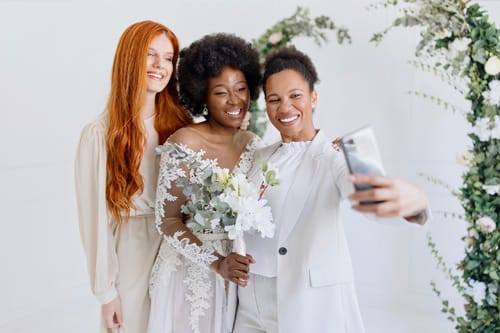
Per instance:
{"type": "Point", "coordinates": [186, 296]}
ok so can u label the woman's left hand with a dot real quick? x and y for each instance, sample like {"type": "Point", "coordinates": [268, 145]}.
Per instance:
{"type": "Point", "coordinates": [393, 197]}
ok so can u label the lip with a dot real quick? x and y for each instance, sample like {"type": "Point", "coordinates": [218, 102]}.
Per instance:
{"type": "Point", "coordinates": [288, 121]}
{"type": "Point", "coordinates": [234, 113]}
{"type": "Point", "coordinates": [156, 75]}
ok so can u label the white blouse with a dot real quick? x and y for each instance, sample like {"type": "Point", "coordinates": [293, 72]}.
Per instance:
{"type": "Point", "coordinates": [286, 158]}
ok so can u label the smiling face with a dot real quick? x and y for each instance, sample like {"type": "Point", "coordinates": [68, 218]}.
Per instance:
{"type": "Point", "coordinates": [228, 98]}
{"type": "Point", "coordinates": [159, 63]}
{"type": "Point", "coordinates": [289, 104]}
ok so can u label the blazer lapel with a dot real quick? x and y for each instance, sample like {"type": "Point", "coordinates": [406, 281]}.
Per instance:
{"type": "Point", "coordinates": [301, 186]}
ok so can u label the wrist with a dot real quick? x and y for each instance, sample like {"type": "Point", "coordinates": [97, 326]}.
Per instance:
{"type": "Point", "coordinates": [214, 266]}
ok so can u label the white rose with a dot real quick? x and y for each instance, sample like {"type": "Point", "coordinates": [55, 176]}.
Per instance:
{"type": "Point", "coordinates": [275, 37]}
{"type": "Point", "coordinates": [442, 34]}
{"type": "Point", "coordinates": [464, 158]}
{"type": "Point", "coordinates": [486, 128]}
{"type": "Point", "coordinates": [492, 66]}
{"type": "Point", "coordinates": [492, 96]}
{"type": "Point", "coordinates": [473, 233]}
{"type": "Point", "coordinates": [460, 44]}
{"type": "Point", "coordinates": [486, 224]}
{"type": "Point", "coordinates": [478, 291]}
{"type": "Point", "coordinates": [482, 129]}
{"type": "Point", "coordinates": [492, 189]}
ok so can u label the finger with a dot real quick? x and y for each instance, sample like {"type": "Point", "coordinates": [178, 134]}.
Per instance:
{"type": "Point", "coordinates": [375, 180]}
{"type": "Point", "coordinates": [240, 282]}
{"type": "Point", "coordinates": [384, 209]}
{"type": "Point", "coordinates": [235, 257]}
{"type": "Point", "coordinates": [374, 194]}
{"type": "Point", "coordinates": [251, 259]}
{"type": "Point", "coordinates": [118, 317]}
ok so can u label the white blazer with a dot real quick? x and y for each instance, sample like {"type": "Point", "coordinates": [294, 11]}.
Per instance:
{"type": "Point", "coordinates": [315, 285]}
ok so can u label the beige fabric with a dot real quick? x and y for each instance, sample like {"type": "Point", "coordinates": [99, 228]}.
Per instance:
{"type": "Point", "coordinates": [119, 259]}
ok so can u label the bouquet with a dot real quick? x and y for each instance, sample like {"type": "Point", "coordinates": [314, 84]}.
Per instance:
{"type": "Point", "coordinates": [218, 199]}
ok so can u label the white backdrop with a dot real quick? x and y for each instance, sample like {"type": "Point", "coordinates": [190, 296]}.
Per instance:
{"type": "Point", "coordinates": [55, 63]}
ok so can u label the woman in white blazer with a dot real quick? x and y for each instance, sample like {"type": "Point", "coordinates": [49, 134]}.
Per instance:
{"type": "Point", "coordinates": [302, 280]}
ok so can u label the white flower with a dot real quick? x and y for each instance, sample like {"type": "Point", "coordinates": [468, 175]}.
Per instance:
{"type": "Point", "coordinates": [486, 224]}
{"type": "Point", "coordinates": [214, 223]}
{"type": "Point", "coordinates": [492, 189]}
{"type": "Point", "coordinates": [442, 34]}
{"type": "Point", "coordinates": [473, 233]}
{"type": "Point", "coordinates": [492, 66]}
{"type": "Point", "coordinates": [486, 129]}
{"type": "Point", "coordinates": [275, 37]}
{"type": "Point", "coordinates": [478, 291]}
{"type": "Point", "coordinates": [492, 96]}
{"type": "Point", "coordinates": [253, 215]}
{"type": "Point", "coordinates": [222, 175]}
{"type": "Point", "coordinates": [460, 44]}
{"type": "Point", "coordinates": [465, 157]}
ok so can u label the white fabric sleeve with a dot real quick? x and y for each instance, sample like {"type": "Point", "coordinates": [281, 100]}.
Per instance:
{"type": "Point", "coordinates": [95, 229]}
{"type": "Point", "coordinates": [168, 215]}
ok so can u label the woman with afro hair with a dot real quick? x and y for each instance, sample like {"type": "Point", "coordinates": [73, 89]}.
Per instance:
{"type": "Point", "coordinates": [219, 75]}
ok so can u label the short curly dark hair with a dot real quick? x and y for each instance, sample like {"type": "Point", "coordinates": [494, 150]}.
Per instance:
{"type": "Point", "coordinates": [290, 58]}
{"type": "Point", "coordinates": [205, 58]}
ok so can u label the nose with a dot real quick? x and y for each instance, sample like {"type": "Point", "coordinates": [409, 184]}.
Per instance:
{"type": "Point", "coordinates": [232, 99]}
{"type": "Point", "coordinates": [158, 62]}
{"type": "Point", "coordinates": [285, 104]}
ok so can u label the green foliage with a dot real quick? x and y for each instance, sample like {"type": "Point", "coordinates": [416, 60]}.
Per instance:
{"type": "Point", "coordinates": [461, 33]}
{"type": "Point", "coordinates": [300, 24]}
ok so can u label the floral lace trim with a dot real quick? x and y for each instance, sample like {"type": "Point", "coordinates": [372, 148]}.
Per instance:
{"type": "Point", "coordinates": [246, 158]}
{"type": "Point", "coordinates": [199, 257]}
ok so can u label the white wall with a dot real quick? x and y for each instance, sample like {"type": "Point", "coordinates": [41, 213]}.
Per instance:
{"type": "Point", "coordinates": [55, 61]}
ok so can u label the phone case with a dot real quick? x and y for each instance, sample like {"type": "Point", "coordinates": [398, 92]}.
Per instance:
{"type": "Point", "coordinates": [362, 154]}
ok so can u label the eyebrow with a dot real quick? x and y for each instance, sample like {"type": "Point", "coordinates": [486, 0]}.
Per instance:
{"type": "Point", "coordinates": [166, 53]}
{"type": "Point", "coordinates": [223, 85]}
{"type": "Point", "coordinates": [289, 91]}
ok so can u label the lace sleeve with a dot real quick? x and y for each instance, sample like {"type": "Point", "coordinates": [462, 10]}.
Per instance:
{"type": "Point", "coordinates": [173, 179]}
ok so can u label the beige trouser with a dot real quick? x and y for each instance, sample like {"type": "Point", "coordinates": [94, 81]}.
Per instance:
{"type": "Point", "coordinates": [257, 307]}
{"type": "Point", "coordinates": [136, 246]}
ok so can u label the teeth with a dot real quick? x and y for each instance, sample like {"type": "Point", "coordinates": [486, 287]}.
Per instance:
{"type": "Point", "coordinates": [234, 113]}
{"type": "Point", "coordinates": [157, 76]}
{"type": "Point", "coordinates": [287, 120]}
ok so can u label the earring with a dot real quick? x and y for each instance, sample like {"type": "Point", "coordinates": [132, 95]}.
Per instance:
{"type": "Point", "coordinates": [205, 110]}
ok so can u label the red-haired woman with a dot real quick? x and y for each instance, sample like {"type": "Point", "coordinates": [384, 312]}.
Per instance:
{"type": "Point", "coordinates": [116, 173]}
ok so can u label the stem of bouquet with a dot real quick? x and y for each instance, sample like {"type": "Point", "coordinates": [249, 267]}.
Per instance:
{"type": "Point", "coordinates": [239, 246]}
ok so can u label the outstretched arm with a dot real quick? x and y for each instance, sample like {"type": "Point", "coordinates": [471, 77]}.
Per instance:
{"type": "Point", "coordinates": [394, 198]}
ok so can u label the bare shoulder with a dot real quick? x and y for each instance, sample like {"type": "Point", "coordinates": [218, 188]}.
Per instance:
{"type": "Point", "coordinates": [188, 135]}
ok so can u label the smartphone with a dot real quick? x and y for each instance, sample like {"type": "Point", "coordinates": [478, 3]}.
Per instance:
{"type": "Point", "coordinates": [362, 155]}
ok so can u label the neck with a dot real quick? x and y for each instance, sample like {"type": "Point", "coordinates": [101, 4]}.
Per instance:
{"type": "Point", "coordinates": [302, 137]}
{"type": "Point", "coordinates": [148, 109]}
{"type": "Point", "coordinates": [221, 131]}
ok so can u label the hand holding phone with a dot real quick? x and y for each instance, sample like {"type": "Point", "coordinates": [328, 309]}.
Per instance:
{"type": "Point", "coordinates": [362, 155]}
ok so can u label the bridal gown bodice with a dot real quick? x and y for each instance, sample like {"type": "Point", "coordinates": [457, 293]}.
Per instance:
{"type": "Point", "coordinates": [186, 296]}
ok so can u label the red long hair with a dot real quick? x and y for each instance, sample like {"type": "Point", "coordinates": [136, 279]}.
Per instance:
{"type": "Point", "coordinates": [126, 139]}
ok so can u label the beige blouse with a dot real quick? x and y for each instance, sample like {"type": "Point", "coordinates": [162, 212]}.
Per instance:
{"type": "Point", "coordinates": [98, 232]}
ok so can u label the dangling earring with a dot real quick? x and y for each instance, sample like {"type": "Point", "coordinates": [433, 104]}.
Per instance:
{"type": "Point", "coordinates": [205, 110]}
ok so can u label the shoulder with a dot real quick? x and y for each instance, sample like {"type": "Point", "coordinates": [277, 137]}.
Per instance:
{"type": "Point", "coordinates": [95, 130]}
{"type": "Point", "coordinates": [189, 136]}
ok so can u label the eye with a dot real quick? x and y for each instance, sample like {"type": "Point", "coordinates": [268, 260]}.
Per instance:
{"type": "Point", "coordinates": [273, 101]}
{"type": "Point", "coordinates": [169, 59]}
{"type": "Point", "coordinates": [242, 89]}
{"type": "Point", "coordinates": [150, 54]}
{"type": "Point", "coordinates": [295, 95]}
{"type": "Point", "coordinates": [220, 93]}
